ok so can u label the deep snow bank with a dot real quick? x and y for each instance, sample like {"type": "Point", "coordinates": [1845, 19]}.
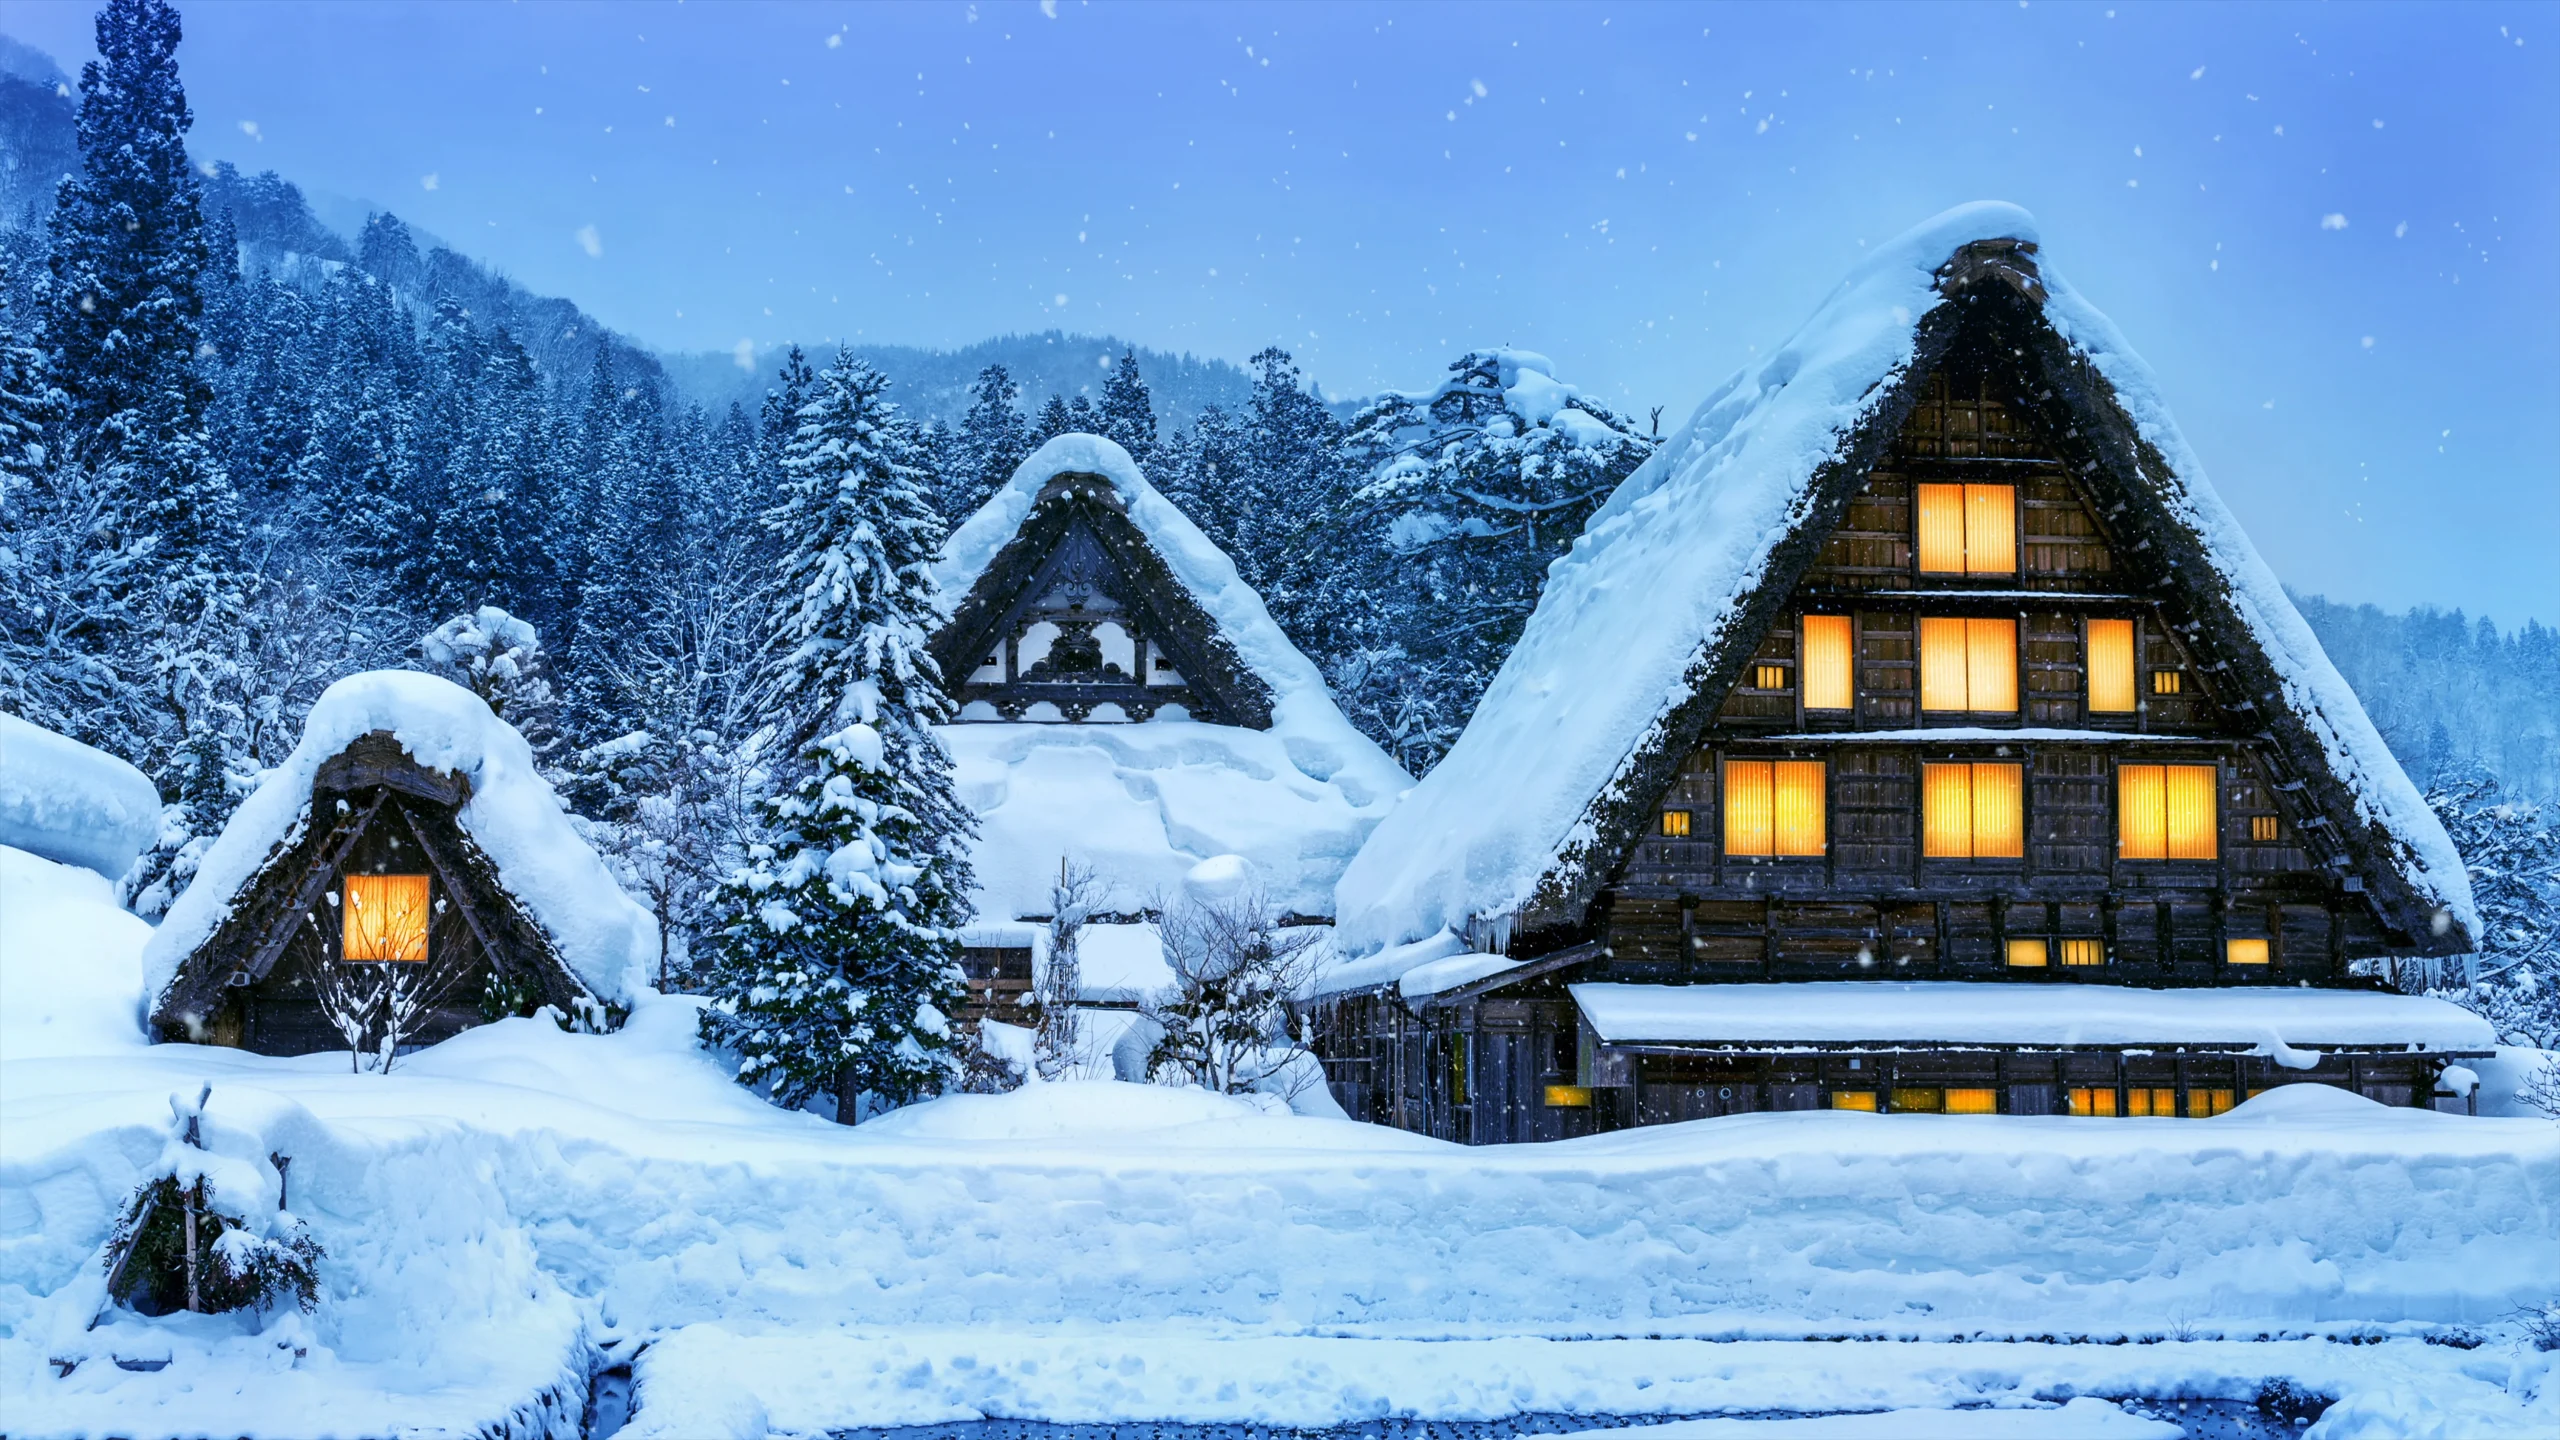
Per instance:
{"type": "Point", "coordinates": [69, 803]}
{"type": "Point", "coordinates": [70, 961]}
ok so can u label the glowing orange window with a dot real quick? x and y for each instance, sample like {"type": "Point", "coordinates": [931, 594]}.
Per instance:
{"type": "Point", "coordinates": [386, 917]}
{"type": "Point", "coordinates": [1968, 529]}
{"type": "Point", "coordinates": [1773, 807]}
{"type": "Point", "coordinates": [2166, 812]}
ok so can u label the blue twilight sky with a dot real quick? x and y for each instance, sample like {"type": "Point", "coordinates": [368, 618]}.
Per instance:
{"type": "Point", "coordinates": [2330, 228]}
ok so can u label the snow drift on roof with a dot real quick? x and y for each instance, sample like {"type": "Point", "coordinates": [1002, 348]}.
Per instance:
{"type": "Point", "coordinates": [69, 803]}
{"type": "Point", "coordinates": [1145, 802]}
{"type": "Point", "coordinates": [607, 939]}
{"type": "Point", "coordinates": [1834, 1012]}
{"type": "Point", "coordinates": [1663, 568]}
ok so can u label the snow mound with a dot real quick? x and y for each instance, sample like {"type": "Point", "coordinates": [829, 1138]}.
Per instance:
{"type": "Point", "coordinates": [1068, 1108]}
{"type": "Point", "coordinates": [605, 937]}
{"type": "Point", "coordinates": [1660, 572]}
{"type": "Point", "coordinates": [70, 962]}
{"type": "Point", "coordinates": [67, 802]}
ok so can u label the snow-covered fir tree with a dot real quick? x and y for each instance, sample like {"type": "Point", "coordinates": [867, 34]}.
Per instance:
{"type": "Point", "coordinates": [1052, 422]}
{"type": "Point", "coordinates": [2512, 850]}
{"type": "Point", "coordinates": [1128, 415]}
{"type": "Point", "coordinates": [991, 443]}
{"type": "Point", "coordinates": [837, 962]}
{"type": "Point", "coordinates": [1471, 492]}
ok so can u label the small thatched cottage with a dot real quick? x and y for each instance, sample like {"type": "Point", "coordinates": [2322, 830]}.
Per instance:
{"type": "Point", "coordinates": [408, 831]}
{"type": "Point", "coordinates": [1128, 704]}
{"type": "Point", "coordinates": [1917, 730]}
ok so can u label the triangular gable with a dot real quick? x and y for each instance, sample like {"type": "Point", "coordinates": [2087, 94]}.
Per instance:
{"type": "Point", "coordinates": [1647, 624]}
{"type": "Point", "coordinates": [1078, 558]}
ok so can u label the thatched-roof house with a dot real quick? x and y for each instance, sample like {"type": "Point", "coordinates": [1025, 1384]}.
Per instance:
{"type": "Point", "coordinates": [1923, 653]}
{"type": "Point", "coordinates": [408, 833]}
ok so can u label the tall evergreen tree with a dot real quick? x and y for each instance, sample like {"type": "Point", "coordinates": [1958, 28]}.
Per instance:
{"type": "Point", "coordinates": [1128, 414]}
{"type": "Point", "coordinates": [837, 963]}
{"type": "Point", "coordinates": [993, 444]}
{"type": "Point", "coordinates": [1053, 421]}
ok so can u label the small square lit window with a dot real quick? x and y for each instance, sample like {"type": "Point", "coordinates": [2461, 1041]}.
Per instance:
{"type": "Point", "coordinates": [2167, 682]}
{"type": "Point", "coordinates": [1569, 1097]}
{"type": "Point", "coordinates": [2262, 828]}
{"type": "Point", "coordinates": [2245, 952]}
{"type": "Point", "coordinates": [1675, 824]}
{"type": "Point", "coordinates": [1769, 677]}
{"type": "Point", "coordinates": [2027, 954]}
{"type": "Point", "coordinates": [2084, 952]}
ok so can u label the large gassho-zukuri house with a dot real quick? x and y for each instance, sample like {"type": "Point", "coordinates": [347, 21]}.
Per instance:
{"type": "Point", "coordinates": [1128, 706]}
{"type": "Point", "coordinates": [1916, 731]}
{"type": "Point", "coordinates": [408, 836]}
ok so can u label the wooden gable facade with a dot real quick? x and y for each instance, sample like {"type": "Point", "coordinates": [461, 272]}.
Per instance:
{"type": "Point", "coordinates": [1988, 717]}
{"type": "Point", "coordinates": [381, 873]}
{"type": "Point", "coordinates": [1078, 619]}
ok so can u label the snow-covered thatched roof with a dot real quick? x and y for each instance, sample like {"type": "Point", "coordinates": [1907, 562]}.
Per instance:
{"type": "Point", "coordinates": [1145, 802]}
{"type": "Point", "coordinates": [1532, 807]}
{"type": "Point", "coordinates": [605, 938]}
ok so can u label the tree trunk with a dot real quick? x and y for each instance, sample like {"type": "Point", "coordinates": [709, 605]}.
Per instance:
{"type": "Point", "coordinates": [848, 1096]}
{"type": "Point", "coordinates": [195, 1300]}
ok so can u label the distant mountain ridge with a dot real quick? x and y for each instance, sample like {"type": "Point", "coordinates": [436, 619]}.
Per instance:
{"type": "Point", "coordinates": [935, 384]}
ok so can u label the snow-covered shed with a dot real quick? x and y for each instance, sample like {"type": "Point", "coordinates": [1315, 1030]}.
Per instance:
{"type": "Point", "coordinates": [1127, 703]}
{"type": "Point", "coordinates": [1924, 651]}
{"type": "Point", "coordinates": [410, 830]}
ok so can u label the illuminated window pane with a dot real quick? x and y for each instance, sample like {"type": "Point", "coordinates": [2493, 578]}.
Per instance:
{"type": "Point", "coordinates": [1942, 529]}
{"type": "Point", "coordinates": [2245, 952]}
{"type": "Point", "coordinates": [386, 917]}
{"type": "Point", "coordinates": [1972, 811]}
{"type": "Point", "coordinates": [2193, 828]}
{"type": "Point", "coordinates": [2166, 682]}
{"type": "Point", "coordinates": [1972, 1100]}
{"type": "Point", "coordinates": [1675, 824]}
{"type": "Point", "coordinates": [1946, 812]}
{"type": "Point", "coordinates": [1853, 1100]}
{"type": "Point", "coordinates": [1569, 1097]}
{"type": "Point", "coordinates": [2093, 1100]}
{"type": "Point", "coordinates": [1969, 665]}
{"type": "Point", "coordinates": [2084, 952]}
{"type": "Point", "coordinates": [1968, 529]}
{"type": "Point", "coordinates": [1750, 810]}
{"type": "Point", "coordinates": [1991, 665]}
{"type": "Point", "coordinates": [2110, 667]}
{"type": "Point", "coordinates": [1942, 664]}
{"type": "Point", "coordinates": [1798, 828]}
{"type": "Point", "coordinates": [1769, 677]}
{"type": "Point", "coordinates": [1919, 1099]}
{"type": "Point", "coordinates": [2154, 1101]}
{"type": "Point", "coordinates": [2203, 1103]}
{"type": "Point", "coordinates": [1991, 529]}
{"type": "Point", "coordinates": [2027, 954]}
{"type": "Point", "coordinates": [1999, 814]}
{"type": "Point", "coordinates": [2263, 828]}
{"type": "Point", "coordinates": [2142, 812]}
{"type": "Point", "coordinates": [1825, 664]}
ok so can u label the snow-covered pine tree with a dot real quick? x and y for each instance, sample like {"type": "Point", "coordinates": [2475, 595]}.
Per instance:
{"type": "Point", "coordinates": [1128, 414]}
{"type": "Point", "coordinates": [125, 327]}
{"type": "Point", "coordinates": [1053, 421]}
{"type": "Point", "coordinates": [1471, 493]}
{"type": "Point", "coordinates": [993, 442]}
{"type": "Point", "coordinates": [837, 963]}
{"type": "Point", "coordinates": [2512, 850]}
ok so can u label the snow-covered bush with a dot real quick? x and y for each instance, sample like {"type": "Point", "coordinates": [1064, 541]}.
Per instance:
{"type": "Point", "coordinates": [187, 1239]}
{"type": "Point", "coordinates": [497, 657]}
{"type": "Point", "coordinates": [1226, 1019]}
{"type": "Point", "coordinates": [2512, 851]}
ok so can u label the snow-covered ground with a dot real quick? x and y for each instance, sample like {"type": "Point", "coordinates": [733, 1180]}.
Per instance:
{"type": "Point", "coordinates": [501, 1206]}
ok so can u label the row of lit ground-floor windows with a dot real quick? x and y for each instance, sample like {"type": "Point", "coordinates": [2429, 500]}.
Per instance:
{"type": "Point", "coordinates": [1969, 810]}
{"type": "Point", "coordinates": [1968, 666]}
{"type": "Point", "coordinates": [2156, 1101]}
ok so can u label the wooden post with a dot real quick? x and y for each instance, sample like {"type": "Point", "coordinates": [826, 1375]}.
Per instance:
{"type": "Point", "coordinates": [195, 1200]}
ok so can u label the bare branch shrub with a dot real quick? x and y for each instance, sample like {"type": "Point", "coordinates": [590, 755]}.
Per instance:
{"type": "Point", "coordinates": [1058, 985]}
{"type": "Point", "coordinates": [1226, 1018]}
